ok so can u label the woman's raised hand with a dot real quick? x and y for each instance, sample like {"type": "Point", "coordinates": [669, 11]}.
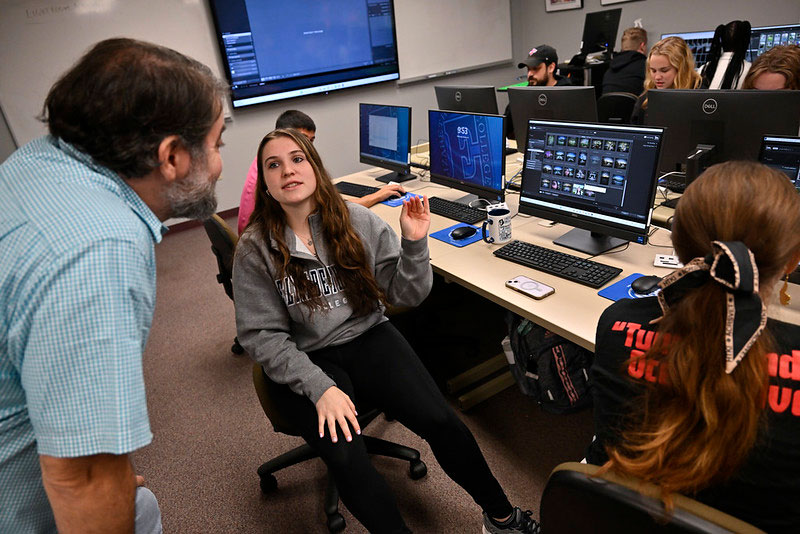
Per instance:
{"type": "Point", "coordinates": [415, 218]}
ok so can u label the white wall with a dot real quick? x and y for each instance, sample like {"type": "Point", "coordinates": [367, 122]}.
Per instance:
{"type": "Point", "coordinates": [532, 25]}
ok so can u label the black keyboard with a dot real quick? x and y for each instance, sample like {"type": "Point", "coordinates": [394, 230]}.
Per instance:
{"type": "Point", "coordinates": [672, 185]}
{"type": "Point", "coordinates": [671, 203]}
{"type": "Point", "coordinates": [586, 272]}
{"type": "Point", "coordinates": [355, 190]}
{"type": "Point", "coordinates": [456, 211]}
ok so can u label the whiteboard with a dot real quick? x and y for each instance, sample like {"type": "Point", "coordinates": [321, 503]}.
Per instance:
{"type": "Point", "coordinates": [439, 37]}
{"type": "Point", "coordinates": [41, 39]}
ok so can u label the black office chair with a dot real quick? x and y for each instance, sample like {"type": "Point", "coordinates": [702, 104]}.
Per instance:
{"type": "Point", "coordinates": [223, 245]}
{"type": "Point", "coordinates": [616, 108]}
{"type": "Point", "coordinates": [574, 500]}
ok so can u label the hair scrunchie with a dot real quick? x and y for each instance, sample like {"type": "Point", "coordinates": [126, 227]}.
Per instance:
{"type": "Point", "coordinates": [733, 266]}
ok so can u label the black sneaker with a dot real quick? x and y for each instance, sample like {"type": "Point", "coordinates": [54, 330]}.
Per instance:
{"type": "Point", "coordinates": [519, 523]}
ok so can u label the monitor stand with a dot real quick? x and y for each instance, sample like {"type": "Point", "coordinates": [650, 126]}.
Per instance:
{"type": "Point", "coordinates": [395, 177]}
{"type": "Point", "coordinates": [467, 199]}
{"type": "Point", "coordinates": [589, 242]}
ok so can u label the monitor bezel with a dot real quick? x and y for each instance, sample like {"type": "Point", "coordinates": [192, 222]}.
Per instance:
{"type": "Point", "coordinates": [461, 185]}
{"type": "Point", "coordinates": [588, 93]}
{"type": "Point", "coordinates": [376, 161]}
{"type": "Point", "coordinates": [607, 228]}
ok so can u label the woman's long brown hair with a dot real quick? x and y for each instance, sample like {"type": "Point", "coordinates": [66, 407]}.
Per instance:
{"type": "Point", "coordinates": [353, 273]}
{"type": "Point", "coordinates": [697, 427]}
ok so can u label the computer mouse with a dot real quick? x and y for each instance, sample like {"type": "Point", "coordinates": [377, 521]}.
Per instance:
{"type": "Point", "coordinates": [645, 284]}
{"type": "Point", "coordinates": [463, 232]}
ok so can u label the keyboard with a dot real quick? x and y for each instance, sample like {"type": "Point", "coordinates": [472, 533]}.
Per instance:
{"type": "Point", "coordinates": [456, 211]}
{"type": "Point", "coordinates": [671, 203]}
{"type": "Point", "coordinates": [355, 190]}
{"type": "Point", "coordinates": [672, 185]}
{"type": "Point", "coordinates": [586, 272]}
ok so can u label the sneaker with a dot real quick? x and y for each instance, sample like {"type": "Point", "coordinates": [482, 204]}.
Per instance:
{"type": "Point", "coordinates": [519, 523]}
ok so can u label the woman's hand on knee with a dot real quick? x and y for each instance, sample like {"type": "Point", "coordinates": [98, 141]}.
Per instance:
{"type": "Point", "coordinates": [334, 406]}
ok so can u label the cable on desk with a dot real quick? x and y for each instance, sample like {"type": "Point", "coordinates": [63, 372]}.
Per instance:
{"type": "Point", "coordinates": [624, 246]}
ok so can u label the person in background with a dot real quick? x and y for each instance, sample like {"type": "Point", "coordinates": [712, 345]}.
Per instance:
{"type": "Point", "coordinates": [695, 390]}
{"type": "Point", "coordinates": [80, 212]}
{"type": "Point", "coordinates": [626, 72]}
{"type": "Point", "coordinates": [298, 120]}
{"type": "Point", "coordinates": [541, 63]}
{"type": "Point", "coordinates": [726, 67]}
{"type": "Point", "coordinates": [670, 65]}
{"type": "Point", "coordinates": [312, 277]}
{"type": "Point", "coordinates": [777, 68]}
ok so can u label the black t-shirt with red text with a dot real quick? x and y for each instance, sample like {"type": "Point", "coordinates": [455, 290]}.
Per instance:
{"type": "Point", "coordinates": [766, 490]}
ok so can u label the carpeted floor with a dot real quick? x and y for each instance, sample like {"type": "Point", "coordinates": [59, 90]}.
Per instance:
{"type": "Point", "coordinates": [211, 434]}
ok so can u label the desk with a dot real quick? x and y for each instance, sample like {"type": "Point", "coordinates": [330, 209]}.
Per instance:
{"type": "Point", "coordinates": [574, 309]}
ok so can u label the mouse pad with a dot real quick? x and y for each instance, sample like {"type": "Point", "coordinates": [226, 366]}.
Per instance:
{"type": "Point", "coordinates": [444, 235]}
{"type": "Point", "coordinates": [622, 289]}
{"type": "Point", "coordinates": [398, 201]}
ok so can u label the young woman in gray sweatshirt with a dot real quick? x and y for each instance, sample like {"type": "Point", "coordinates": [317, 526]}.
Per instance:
{"type": "Point", "coordinates": [312, 276]}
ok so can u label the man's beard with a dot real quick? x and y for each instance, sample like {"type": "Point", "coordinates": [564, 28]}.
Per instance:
{"type": "Point", "coordinates": [194, 196]}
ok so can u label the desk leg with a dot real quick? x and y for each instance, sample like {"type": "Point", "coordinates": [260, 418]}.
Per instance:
{"type": "Point", "coordinates": [476, 374]}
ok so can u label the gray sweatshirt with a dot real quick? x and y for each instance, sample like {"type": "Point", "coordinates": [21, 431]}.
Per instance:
{"type": "Point", "coordinates": [277, 331]}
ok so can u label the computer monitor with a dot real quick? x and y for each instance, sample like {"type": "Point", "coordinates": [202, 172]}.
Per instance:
{"type": "Point", "coordinates": [765, 37]}
{"type": "Point", "coordinates": [698, 42]}
{"type": "Point", "coordinates": [706, 127]}
{"type": "Point", "coordinates": [783, 154]}
{"type": "Point", "coordinates": [472, 98]}
{"type": "Point", "coordinates": [385, 139]}
{"type": "Point", "coordinates": [466, 152]}
{"type": "Point", "coordinates": [598, 178]}
{"type": "Point", "coordinates": [600, 30]}
{"type": "Point", "coordinates": [562, 103]}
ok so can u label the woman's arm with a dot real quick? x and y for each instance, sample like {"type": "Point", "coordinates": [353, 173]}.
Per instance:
{"type": "Point", "coordinates": [387, 191]}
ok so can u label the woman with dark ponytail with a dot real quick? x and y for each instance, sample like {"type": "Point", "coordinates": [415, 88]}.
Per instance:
{"type": "Point", "coordinates": [726, 66]}
{"type": "Point", "coordinates": [695, 389]}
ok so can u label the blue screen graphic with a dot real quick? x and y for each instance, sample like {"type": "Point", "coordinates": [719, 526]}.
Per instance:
{"type": "Point", "coordinates": [385, 132]}
{"type": "Point", "coordinates": [467, 147]}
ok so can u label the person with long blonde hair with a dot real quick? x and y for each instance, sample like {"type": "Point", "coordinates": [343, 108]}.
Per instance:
{"type": "Point", "coordinates": [312, 277]}
{"type": "Point", "coordinates": [670, 65]}
{"type": "Point", "coordinates": [695, 389]}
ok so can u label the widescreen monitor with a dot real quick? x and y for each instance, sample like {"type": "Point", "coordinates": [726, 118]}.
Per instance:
{"type": "Point", "coordinates": [699, 43]}
{"type": "Point", "coordinates": [561, 103]}
{"type": "Point", "coordinates": [385, 139]}
{"type": "Point", "coordinates": [782, 153]}
{"type": "Point", "coordinates": [598, 178]}
{"type": "Point", "coordinates": [732, 122]}
{"type": "Point", "coordinates": [466, 151]}
{"type": "Point", "coordinates": [472, 98]}
{"type": "Point", "coordinates": [765, 37]}
{"type": "Point", "coordinates": [600, 30]}
{"type": "Point", "coordinates": [275, 50]}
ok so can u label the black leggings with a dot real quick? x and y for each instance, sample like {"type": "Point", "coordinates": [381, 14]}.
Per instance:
{"type": "Point", "coordinates": [379, 369]}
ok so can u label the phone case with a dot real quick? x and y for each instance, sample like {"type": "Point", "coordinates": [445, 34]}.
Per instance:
{"type": "Point", "coordinates": [530, 287]}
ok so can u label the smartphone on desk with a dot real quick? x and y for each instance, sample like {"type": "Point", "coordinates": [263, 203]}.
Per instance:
{"type": "Point", "coordinates": [530, 287]}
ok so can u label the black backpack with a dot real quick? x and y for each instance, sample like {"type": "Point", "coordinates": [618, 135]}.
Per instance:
{"type": "Point", "coordinates": [547, 367]}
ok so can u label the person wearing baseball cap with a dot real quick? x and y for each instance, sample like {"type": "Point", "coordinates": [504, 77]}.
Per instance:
{"type": "Point", "coordinates": [541, 64]}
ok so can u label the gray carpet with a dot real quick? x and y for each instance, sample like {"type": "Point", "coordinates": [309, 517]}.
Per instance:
{"type": "Point", "coordinates": [211, 435]}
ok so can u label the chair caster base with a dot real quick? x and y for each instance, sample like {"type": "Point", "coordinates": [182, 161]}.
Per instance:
{"type": "Point", "coordinates": [417, 469]}
{"type": "Point", "coordinates": [268, 483]}
{"type": "Point", "coordinates": [336, 523]}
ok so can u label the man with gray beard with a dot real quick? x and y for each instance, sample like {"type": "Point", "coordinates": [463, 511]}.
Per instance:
{"type": "Point", "coordinates": [135, 132]}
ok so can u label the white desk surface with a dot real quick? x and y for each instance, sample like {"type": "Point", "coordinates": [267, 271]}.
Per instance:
{"type": "Point", "coordinates": [574, 309]}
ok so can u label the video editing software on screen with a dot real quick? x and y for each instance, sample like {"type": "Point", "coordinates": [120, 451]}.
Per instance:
{"type": "Point", "coordinates": [605, 174]}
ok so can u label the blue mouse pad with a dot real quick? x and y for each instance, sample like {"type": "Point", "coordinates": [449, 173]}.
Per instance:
{"type": "Point", "coordinates": [398, 201]}
{"type": "Point", "coordinates": [444, 235]}
{"type": "Point", "coordinates": [622, 289]}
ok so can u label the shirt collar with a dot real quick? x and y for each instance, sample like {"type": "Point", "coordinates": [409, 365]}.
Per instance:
{"type": "Point", "coordinates": [119, 187]}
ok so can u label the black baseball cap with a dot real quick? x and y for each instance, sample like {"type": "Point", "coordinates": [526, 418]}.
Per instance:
{"type": "Point", "coordinates": [538, 55]}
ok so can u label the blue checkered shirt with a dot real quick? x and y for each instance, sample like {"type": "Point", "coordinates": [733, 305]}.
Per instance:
{"type": "Point", "coordinates": [77, 292]}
